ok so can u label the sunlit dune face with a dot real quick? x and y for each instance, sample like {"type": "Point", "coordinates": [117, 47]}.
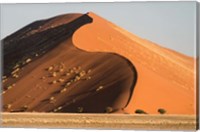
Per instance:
{"type": "Point", "coordinates": [165, 77]}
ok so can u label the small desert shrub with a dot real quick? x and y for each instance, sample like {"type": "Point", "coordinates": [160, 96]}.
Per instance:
{"type": "Point", "coordinates": [7, 106]}
{"type": "Point", "coordinates": [139, 111]}
{"type": "Point", "coordinates": [80, 109]}
{"type": "Point", "coordinates": [109, 109]}
{"type": "Point", "coordinates": [162, 111]}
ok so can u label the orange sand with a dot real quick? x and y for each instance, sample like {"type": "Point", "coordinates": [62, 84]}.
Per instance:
{"type": "Point", "coordinates": [166, 79]}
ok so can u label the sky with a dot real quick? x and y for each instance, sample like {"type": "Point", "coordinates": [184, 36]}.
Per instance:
{"type": "Point", "coordinates": [169, 24]}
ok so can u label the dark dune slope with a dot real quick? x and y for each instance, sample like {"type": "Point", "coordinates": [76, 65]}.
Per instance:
{"type": "Point", "coordinates": [45, 72]}
{"type": "Point", "coordinates": [40, 42]}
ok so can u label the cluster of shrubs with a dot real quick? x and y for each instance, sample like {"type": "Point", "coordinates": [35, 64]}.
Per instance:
{"type": "Point", "coordinates": [161, 111]}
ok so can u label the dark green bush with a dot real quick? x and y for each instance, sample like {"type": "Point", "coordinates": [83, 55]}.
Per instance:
{"type": "Point", "coordinates": [139, 111]}
{"type": "Point", "coordinates": [162, 111]}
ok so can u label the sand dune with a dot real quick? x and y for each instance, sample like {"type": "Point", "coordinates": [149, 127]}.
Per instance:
{"type": "Point", "coordinates": [55, 76]}
{"type": "Point", "coordinates": [165, 77]}
{"type": "Point", "coordinates": [84, 63]}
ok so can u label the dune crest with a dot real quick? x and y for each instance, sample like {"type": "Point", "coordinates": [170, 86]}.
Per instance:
{"type": "Point", "coordinates": [165, 77]}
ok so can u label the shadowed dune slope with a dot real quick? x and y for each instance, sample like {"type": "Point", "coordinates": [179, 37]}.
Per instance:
{"type": "Point", "coordinates": [166, 79]}
{"type": "Point", "coordinates": [13, 44]}
{"type": "Point", "coordinates": [47, 73]}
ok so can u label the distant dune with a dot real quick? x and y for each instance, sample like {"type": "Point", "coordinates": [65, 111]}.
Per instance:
{"type": "Point", "coordinates": [84, 63]}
